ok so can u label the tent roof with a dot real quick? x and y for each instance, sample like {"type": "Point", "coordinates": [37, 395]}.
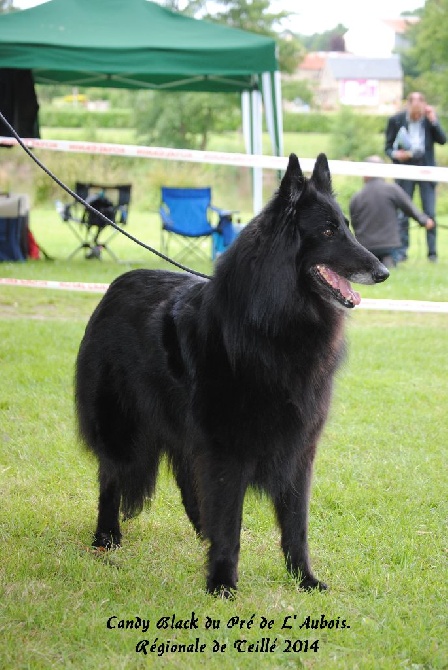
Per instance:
{"type": "Point", "coordinates": [131, 44]}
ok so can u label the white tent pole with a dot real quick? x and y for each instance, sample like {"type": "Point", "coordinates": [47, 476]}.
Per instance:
{"type": "Point", "coordinates": [272, 98]}
{"type": "Point", "coordinates": [257, 136]}
{"type": "Point", "coordinates": [279, 111]}
{"type": "Point", "coordinates": [252, 130]}
{"type": "Point", "coordinates": [245, 113]}
{"type": "Point", "coordinates": [251, 108]}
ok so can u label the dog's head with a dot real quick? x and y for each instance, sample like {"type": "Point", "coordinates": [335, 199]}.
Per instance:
{"type": "Point", "coordinates": [329, 257]}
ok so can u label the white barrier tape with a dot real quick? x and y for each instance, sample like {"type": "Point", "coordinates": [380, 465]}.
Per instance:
{"type": "Point", "coordinates": [405, 305]}
{"type": "Point", "coordinates": [348, 168]}
{"type": "Point", "coordinates": [367, 303]}
{"type": "Point", "coordinates": [59, 285]}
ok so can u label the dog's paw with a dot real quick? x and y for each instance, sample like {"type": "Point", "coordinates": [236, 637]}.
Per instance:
{"type": "Point", "coordinates": [310, 582]}
{"type": "Point", "coordinates": [106, 541]}
{"type": "Point", "coordinates": [225, 589]}
{"type": "Point", "coordinates": [223, 592]}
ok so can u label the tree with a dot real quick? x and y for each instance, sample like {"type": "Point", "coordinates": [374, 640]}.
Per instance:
{"type": "Point", "coordinates": [291, 90]}
{"type": "Point", "coordinates": [290, 53]}
{"type": "Point", "coordinates": [251, 15]}
{"type": "Point", "coordinates": [329, 40]}
{"type": "Point", "coordinates": [185, 120]}
{"type": "Point", "coordinates": [6, 6]}
{"type": "Point", "coordinates": [337, 42]}
{"type": "Point", "coordinates": [427, 59]}
{"type": "Point", "coordinates": [255, 16]}
{"type": "Point", "coordinates": [353, 135]}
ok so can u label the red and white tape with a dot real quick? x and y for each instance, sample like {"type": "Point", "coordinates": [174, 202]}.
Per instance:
{"type": "Point", "coordinates": [348, 168]}
{"type": "Point", "coordinates": [367, 303]}
{"type": "Point", "coordinates": [58, 285]}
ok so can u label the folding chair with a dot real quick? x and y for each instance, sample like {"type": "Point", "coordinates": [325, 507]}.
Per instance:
{"type": "Point", "coordinates": [185, 215]}
{"type": "Point", "coordinates": [112, 201]}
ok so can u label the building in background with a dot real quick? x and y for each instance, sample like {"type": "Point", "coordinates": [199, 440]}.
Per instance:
{"type": "Point", "coordinates": [367, 75]}
{"type": "Point", "coordinates": [371, 84]}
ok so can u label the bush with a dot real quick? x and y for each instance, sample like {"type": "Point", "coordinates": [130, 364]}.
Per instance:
{"type": "Point", "coordinates": [184, 119]}
{"type": "Point", "coordinates": [317, 122]}
{"type": "Point", "coordinates": [354, 136]}
{"type": "Point", "coordinates": [313, 122]}
{"type": "Point", "coordinates": [81, 118]}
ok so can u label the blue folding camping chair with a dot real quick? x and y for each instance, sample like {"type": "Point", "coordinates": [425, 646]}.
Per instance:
{"type": "Point", "coordinates": [185, 215]}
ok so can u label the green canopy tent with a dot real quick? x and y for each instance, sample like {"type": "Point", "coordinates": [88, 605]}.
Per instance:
{"type": "Point", "coordinates": [138, 44]}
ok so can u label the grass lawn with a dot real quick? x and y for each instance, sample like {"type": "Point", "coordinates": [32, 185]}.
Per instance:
{"type": "Point", "coordinates": [378, 509]}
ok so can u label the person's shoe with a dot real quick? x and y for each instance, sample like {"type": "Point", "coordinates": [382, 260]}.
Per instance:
{"type": "Point", "coordinates": [432, 258]}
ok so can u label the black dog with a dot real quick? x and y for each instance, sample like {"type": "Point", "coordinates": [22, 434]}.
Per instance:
{"type": "Point", "coordinates": [230, 378]}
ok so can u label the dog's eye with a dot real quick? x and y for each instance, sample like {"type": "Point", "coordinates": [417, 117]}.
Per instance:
{"type": "Point", "coordinates": [329, 232]}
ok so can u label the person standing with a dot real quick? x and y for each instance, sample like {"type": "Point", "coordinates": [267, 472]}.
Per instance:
{"type": "Point", "coordinates": [374, 216]}
{"type": "Point", "coordinates": [410, 139]}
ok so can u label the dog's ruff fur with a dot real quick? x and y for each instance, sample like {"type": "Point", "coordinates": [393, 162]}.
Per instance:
{"type": "Point", "coordinates": [230, 378]}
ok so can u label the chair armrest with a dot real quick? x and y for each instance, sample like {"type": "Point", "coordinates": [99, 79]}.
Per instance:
{"type": "Point", "coordinates": [166, 219]}
{"type": "Point", "coordinates": [224, 212]}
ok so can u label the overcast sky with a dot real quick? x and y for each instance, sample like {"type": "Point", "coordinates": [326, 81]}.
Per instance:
{"type": "Point", "coordinates": [315, 16]}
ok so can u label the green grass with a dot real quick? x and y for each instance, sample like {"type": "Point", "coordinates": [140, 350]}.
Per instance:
{"type": "Point", "coordinates": [377, 514]}
{"type": "Point", "coordinates": [416, 279]}
{"type": "Point", "coordinates": [302, 143]}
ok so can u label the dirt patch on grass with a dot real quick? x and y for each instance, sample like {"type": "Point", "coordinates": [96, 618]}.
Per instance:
{"type": "Point", "coordinates": [43, 312]}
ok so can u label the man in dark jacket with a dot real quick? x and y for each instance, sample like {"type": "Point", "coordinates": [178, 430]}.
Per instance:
{"type": "Point", "coordinates": [410, 138]}
{"type": "Point", "coordinates": [374, 216]}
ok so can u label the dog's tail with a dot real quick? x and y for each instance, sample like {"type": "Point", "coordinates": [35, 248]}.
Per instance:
{"type": "Point", "coordinates": [137, 485]}
{"type": "Point", "coordinates": [134, 481]}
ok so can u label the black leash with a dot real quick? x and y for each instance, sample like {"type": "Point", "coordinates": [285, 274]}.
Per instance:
{"type": "Point", "coordinates": [95, 211]}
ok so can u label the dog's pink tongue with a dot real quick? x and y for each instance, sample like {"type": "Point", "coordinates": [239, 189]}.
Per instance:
{"type": "Point", "coordinates": [348, 292]}
{"type": "Point", "coordinates": [343, 287]}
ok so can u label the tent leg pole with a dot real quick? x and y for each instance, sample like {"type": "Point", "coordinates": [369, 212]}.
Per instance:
{"type": "Point", "coordinates": [257, 189]}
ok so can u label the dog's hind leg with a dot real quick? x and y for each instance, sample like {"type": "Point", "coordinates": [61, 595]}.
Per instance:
{"type": "Point", "coordinates": [107, 532]}
{"type": "Point", "coordinates": [291, 507]}
{"type": "Point", "coordinates": [223, 485]}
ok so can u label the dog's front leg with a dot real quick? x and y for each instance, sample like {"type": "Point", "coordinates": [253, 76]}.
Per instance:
{"type": "Point", "coordinates": [292, 513]}
{"type": "Point", "coordinates": [108, 534]}
{"type": "Point", "coordinates": [223, 484]}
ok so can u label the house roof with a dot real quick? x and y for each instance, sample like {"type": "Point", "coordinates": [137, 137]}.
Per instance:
{"type": "Point", "coordinates": [355, 67]}
{"type": "Point", "coordinates": [313, 60]}
{"type": "Point", "coordinates": [400, 26]}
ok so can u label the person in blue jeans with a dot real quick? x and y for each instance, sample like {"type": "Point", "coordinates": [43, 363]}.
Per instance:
{"type": "Point", "coordinates": [410, 139]}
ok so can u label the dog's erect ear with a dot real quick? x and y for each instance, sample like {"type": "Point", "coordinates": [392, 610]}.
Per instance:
{"type": "Point", "coordinates": [293, 179]}
{"type": "Point", "coordinates": [321, 174]}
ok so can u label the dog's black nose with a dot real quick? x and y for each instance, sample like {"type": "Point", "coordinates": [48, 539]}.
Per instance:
{"type": "Point", "coordinates": [380, 274]}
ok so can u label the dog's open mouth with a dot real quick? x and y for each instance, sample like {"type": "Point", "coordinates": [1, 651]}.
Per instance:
{"type": "Point", "coordinates": [339, 286]}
